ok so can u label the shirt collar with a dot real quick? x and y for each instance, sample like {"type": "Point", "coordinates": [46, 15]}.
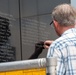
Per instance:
{"type": "Point", "coordinates": [69, 31]}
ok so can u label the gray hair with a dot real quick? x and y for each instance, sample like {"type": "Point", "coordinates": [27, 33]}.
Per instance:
{"type": "Point", "coordinates": [64, 14]}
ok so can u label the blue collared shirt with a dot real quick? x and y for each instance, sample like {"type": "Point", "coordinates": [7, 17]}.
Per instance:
{"type": "Point", "coordinates": [64, 48]}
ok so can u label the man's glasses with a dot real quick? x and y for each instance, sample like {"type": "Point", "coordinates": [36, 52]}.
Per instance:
{"type": "Point", "coordinates": [51, 23]}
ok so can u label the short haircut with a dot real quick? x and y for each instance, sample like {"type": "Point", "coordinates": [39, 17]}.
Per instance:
{"type": "Point", "coordinates": [64, 14]}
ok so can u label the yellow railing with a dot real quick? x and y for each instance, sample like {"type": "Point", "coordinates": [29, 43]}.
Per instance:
{"type": "Point", "coordinates": [40, 66]}
{"type": "Point", "coordinates": [41, 71]}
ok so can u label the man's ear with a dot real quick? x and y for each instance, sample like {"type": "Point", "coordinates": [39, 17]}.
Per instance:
{"type": "Point", "coordinates": [55, 24]}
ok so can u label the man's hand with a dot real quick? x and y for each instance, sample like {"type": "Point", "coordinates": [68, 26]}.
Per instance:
{"type": "Point", "coordinates": [47, 43]}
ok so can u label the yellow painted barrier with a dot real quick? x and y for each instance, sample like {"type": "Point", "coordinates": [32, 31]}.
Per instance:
{"type": "Point", "coordinates": [41, 71]}
{"type": "Point", "coordinates": [40, 66]}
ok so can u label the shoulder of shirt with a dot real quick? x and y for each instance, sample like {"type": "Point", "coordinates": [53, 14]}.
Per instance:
{"type": "Point", "coordinates": [62, 38]}
{"type": "Point", "coordinates": [58, 42]}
